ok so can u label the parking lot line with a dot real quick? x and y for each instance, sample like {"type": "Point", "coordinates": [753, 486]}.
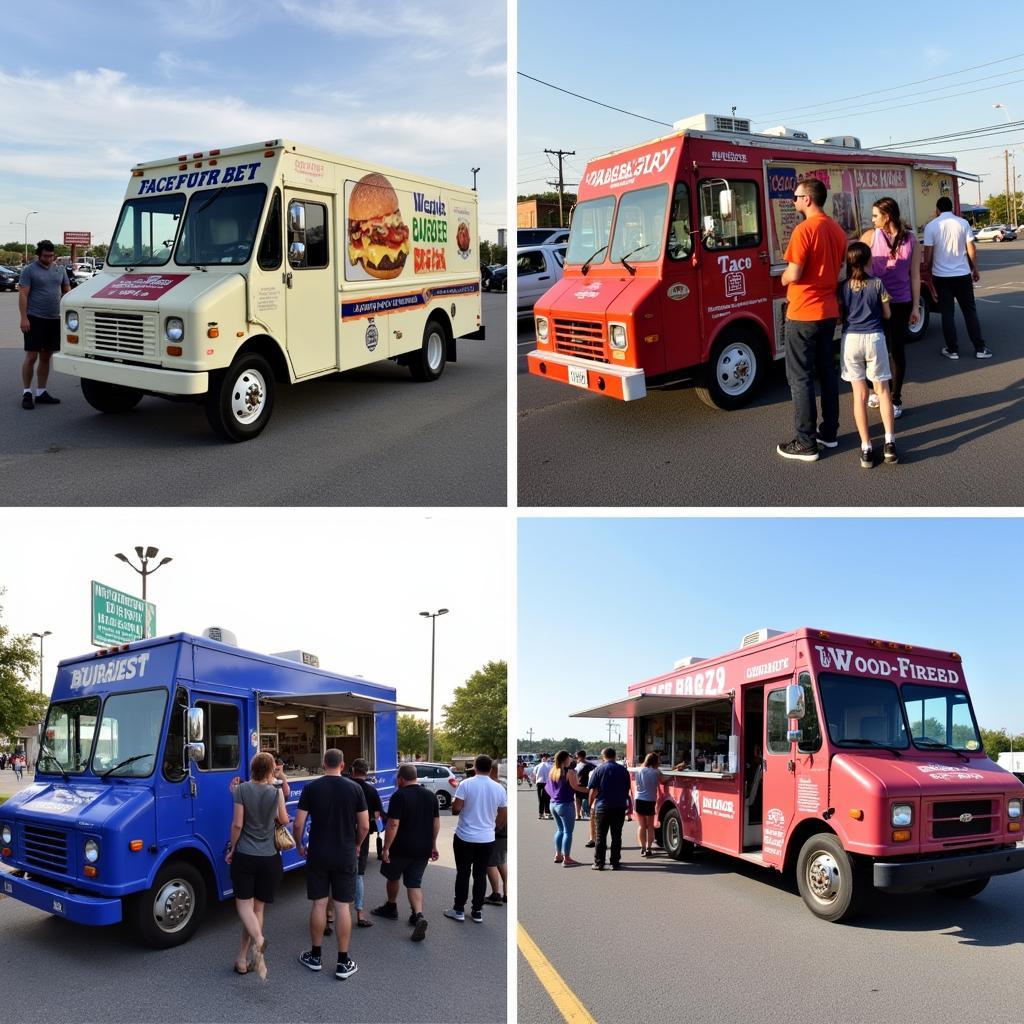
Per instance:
{"type": "Point", "coordinates": [562, 996]}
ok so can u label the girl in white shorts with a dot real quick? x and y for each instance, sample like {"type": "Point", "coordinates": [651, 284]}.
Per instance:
{"type": "Point", "coordinates": [864, 305]}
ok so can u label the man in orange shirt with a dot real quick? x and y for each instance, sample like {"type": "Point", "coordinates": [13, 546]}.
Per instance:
{"type": "Point", "coordinates": [815, 254]}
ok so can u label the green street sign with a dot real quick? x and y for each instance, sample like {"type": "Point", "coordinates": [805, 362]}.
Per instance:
{"type": "Point", "coordinates": [119, 618]}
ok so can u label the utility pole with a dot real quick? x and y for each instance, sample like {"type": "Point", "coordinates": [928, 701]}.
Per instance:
{"type": "Point", "coordinates": [561, 180]}
{"type": "Point", "coordinates": [529, 732]}
{"type": "Point", "coordinates": [474, 171]}
{"type": "Point", "coordinates": [1006, 158]}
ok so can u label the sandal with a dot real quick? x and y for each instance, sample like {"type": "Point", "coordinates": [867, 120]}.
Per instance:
{"type": "Point", "coordinates": [259, 965]}
{"type": "Point", "coordinates": [238, 971]}
{"type": "Point", "coordinates": [362, 922]}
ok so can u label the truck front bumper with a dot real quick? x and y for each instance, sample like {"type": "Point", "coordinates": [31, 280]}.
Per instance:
{"type": "Point", "coordinates": [625, 382]}
{"type": "Point", "coordinates": [915, 875]}
{"type": "Point", "coordinates": [145, 378]}
{"type": "Point", "coordinates": [73, 906]}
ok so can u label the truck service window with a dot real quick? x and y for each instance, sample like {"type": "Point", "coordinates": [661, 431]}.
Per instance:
{"type": "Point", "coordinates": [68, 735]}
{"type": "Point", "coordinates": [742, 228]}
{"type": "Point", "coordinates": [939, 716]}
{"type": "Point", "coordinates": [129, 734]}
{"type": "Point", "coordinates": [220, 226]}
{"type": "Point", "coordinates": [680, 238]}
{"type": "Point", "coordinates": [862, 712]}
{"type": "Point", "coordinates": [591, 228]}
{"type": "Point", "coordinates": [221, 736]}
{"type": "Point", "coordinates": [145, 232]}
{"type": "Point", "coordinates": [640, 225]}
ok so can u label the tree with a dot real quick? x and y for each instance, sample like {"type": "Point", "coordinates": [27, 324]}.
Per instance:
{"type": "Point", "coordinates": [477, 719]}
{"type": "Point", "coordinates": [413, 734]}
{"type": "Point", "coordinates": [19, 704]}
{"type": "Point", "coordinates": [997, 208]}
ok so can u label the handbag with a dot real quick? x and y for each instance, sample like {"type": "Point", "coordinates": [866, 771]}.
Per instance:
{"type": "Point", "coordinates": [283, 839]}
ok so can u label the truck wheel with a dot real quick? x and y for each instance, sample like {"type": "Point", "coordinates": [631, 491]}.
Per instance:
{"type": "Point", "coordinates": [830, 882]}
{"type": "Point", "coordinates": [168, 913]}
{"type": "Point", "coordinates": [965, 890]}
{"type": "Point", "coordinates": [241, 398]}
{"type": "Point", "coordinates": [735, 371]}
{"type": "Point", "coordinates": [428, 363]}
{"type": "Point", "coordinates": [672, 839]}
{"type": "Point", "coordinates": [915, 331]}
{"type": "Point", "coordinates": [110, 397]}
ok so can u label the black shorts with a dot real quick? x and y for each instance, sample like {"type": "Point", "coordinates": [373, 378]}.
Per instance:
{"type": "Point", "coordinates": [255, 877]}
{"type": "Point", "coordinates": [645, 807]}
{"type": "Point", "coordinates": [499, 855]}
{"type": "Point", "coordinates": [43, 335]}
{"type": "Point", "coordinates": [408, 869]}
{"type": "Point", "coordinates": [328, 880]}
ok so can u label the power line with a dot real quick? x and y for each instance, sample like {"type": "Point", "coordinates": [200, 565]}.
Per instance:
{"type": "Point", "coordinates": [588, 99]}
{"type": "Point", "coordinates": [966, 133]}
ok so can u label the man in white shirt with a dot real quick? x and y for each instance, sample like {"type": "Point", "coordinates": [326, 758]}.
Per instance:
{"type": "Point", "coordinates": [951, 256]}
{"type": "Point", "coordinates": [540, 777]}
{"type": "Point", "coordinates": [481, 804]}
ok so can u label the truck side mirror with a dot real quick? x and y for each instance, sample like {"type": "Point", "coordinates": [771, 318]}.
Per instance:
{"type": "Point", "coordinates": [725, 204]}
{"type": "Point", "coordinates": [196, 752]}
{"type": "Point", "coordinates": [795, 706]}
{"type": "Point", "coordinates": [296, 217]}
{"type": "Point", "coordinates": [195, 724]}
{"type": "Point", "coordinates": [297, 254]}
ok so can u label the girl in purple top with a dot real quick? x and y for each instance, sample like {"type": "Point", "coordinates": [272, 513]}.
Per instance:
{"type": "Point", "coordinates": [896, 261]}
{"type": "Point", "coordinates": [562, 785]}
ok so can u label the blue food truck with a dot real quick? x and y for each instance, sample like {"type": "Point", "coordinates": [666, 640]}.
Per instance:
{"type": "Point", "coordinates": [130, 814]}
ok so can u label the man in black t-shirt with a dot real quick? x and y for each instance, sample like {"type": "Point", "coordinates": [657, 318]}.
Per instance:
{"type": "Point", "coordinates": [410, 840]}
{"type": "Point", "coordinates": [583, 769]}
{"type": "Point", "coordinates": [375, 810]}
{"type": "Point", "coordinates": [339, 823]}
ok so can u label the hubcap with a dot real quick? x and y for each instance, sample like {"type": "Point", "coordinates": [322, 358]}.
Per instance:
{"type": "Point", "coordinates": [173, 905]}
{"type": "Point", "coordinates": [672, 834]}
{"type": "Point", "coordinates": [435, 347]}
{"type": "Point", "coordinates": [735, 370]}
{"type": "Point", "coordinates": [823, 877]}
{"type": "Point", "coordinates": [248, 396]}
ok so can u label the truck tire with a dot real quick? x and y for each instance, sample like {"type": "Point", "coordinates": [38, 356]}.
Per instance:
{"type": "Point", "coordinates": [241, 398]}
{"type": "Point", "coordinates": [832, 884]}
{"type": "Point", "coordinates": [168, 913]}
{"type": "Point", "coordinates": [444, 800]}
{"type": "Point", "coordinates": [110, 397]}
{"type": "Point", "coordinates": [915, 331]}
{"type": "Point", "coordinates": [965, 890]}
{"type": "Point", "coordinates": [675, 844]}
{"type": "Point", "coordinates": [428, 363]}
{"type": "Point", "coordinates": [735, 371]}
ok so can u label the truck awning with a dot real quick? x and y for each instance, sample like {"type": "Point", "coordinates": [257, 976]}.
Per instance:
{"type": "Point", "coordinates": [649, 704]}
{"type": "Point", "coordinates": [346, 701]}
{"type": "Point", "coordinates": [966, 175]}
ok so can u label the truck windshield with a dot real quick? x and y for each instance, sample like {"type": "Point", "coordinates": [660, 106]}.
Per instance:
{"type": "Point", "coordinates": [940, 717]}
{"type": "Point", "coordinates": [129, 734]}
{"type": "Point", "coordinates": [220, 225]}
{"type": "Point", "coordinates": [67, 736]}
{"type": "Point", "coordinates": [862, 712]}
{"type": "Point", "coordinates": [591, 229]}
{"type": "Point", "coordinates": [640, 225]}
{"type": "Point", "coordinates": [145, 232]}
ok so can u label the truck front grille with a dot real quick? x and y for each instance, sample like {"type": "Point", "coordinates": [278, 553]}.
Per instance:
{"type": "Point", "coordinates": [115, 333]}
{"type": "Point", "coordinates": [46, 848]}
{"type": "Point", "coordinates": [963, 819]}
{"type": "Point", "coordinates": [580, 338]}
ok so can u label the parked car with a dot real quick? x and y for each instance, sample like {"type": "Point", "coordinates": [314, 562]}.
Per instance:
{"type": "Point", "coordinates": [9, 278]}
{"type": "Point", "coordinates": [83, 271]}
{"type": "Point", "coordinates": [499, 279]}
{"type": "Point", "coordinates": [542, 236]}
{"type": "Point", "coordinates": [996, 233]}
{"type": "Point", "coordinates": [439, 779]}
{"type": "Point", "coordinates": [538, 267]}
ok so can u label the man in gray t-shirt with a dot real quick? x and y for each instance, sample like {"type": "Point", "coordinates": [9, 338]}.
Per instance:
{"type": "Point", "coordinates": [39, 290]}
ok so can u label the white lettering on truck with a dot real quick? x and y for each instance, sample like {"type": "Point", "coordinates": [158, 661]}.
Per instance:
{"type": "Point", "coordinates": [769, 668]}
{"type": "Point", "coordinates": [649, 163]}
{"type": "Point", "coordinates": [115, 670]}
{"type": "Point", "coordinates": [905, 668]}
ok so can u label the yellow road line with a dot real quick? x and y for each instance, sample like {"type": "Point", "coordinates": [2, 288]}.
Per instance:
{"type": "Point", "coordinates": [561, 995]}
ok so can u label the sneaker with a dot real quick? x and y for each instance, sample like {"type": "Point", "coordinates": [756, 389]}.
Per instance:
{"type": "Point", "coordinates": [308, 960]}
{"type": "Point", "coordinates": [867, 458]}
{"type": "Point", "coordinates": [872, 401]}
{"type": "Point", "coordinates": [597, 867]}
{"type": "Point", "coordinates": [796, 449]}
{"type": "Point", "coordinates": [495, 900]}
{"type": "Point", "coordinates": [346, 968]}
{"type": "Point", "coordinates": [388, 910]}
{"type": "Point", "coordinates": [897, 410]}
{"type": "Point", "coordinates": [950, 355]}
{"type": "Point", "coordinates": [889, 452]}
{"type": "Point", "coordinates": [590, 845]}
{"type": "Point", "coordinates": [616, 867]}
{"type": "Point", "coordinates": [455, 915]}
{"type": "Point", "coordinates": [822, 443]}
{"type": "Point", "coordinates": [477, 916]}
{"type": "Point", "coordinates": [980, 354]}
{"type": "Point", "coordinates": [419, 930]}
{"type": "Point", "coordinates": [27, 401]}
{"type": "Point", "coordinates": [47, 399]}
{"type": "Point", "coordinates": [414, 917]}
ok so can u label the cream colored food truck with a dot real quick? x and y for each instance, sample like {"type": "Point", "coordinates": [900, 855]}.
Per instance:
{"type": "Point", "coordinates": [231, 271]}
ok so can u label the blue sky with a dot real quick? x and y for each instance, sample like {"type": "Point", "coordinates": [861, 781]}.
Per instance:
{"type": "Point", "coordinates": [604, 603]}
{"type": "Point", "coordinates": [89, 89]}
{"type": "Point", "coordinates": [778, 64]}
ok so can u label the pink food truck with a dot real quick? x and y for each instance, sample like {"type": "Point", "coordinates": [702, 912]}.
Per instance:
{"type": "Point", "coordinates": [855, 763]}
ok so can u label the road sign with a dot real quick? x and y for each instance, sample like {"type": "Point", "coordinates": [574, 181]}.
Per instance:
{"type": "Point", "coordinates": [119, 618]}
{"type": "Point", "coordinates": [78, 238]}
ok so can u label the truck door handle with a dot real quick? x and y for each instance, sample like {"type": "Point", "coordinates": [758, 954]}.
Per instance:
{"type": "Point", "coordinates": [287, 278]}
{"type": "Point", "coordinates": [763, 257]}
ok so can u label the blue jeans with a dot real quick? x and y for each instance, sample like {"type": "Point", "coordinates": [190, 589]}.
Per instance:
{"type": "Point", "coordinates": [810, 350]}
{"type": "Point", "coordinates": [359, 892]}
{"type": "Point", "coordinates": [565, 819]}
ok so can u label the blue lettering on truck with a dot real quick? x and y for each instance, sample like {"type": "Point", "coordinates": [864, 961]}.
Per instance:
{"type": "Point", "coordinates": [233, 175]}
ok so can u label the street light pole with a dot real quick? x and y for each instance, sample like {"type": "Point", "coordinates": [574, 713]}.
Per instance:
{"type": "Point", "coordinates": [45, 633]}
{"type": "Point", "coordinates": [145, 556]}
{"type": "Point", "coordinates": [433, 635]}
{"type": "Point", "coordinates": [25, 224]}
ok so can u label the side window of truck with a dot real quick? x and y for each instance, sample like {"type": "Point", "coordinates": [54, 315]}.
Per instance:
{"type": "Point", "coordinates": [174, 759]}
{"type": "Point", "coordinates": [307, 235]}
{"type": "Point", "coordinates": [742, 228]}
{"type": "Point", "coordinates": [221, 733]}
{"type": "Point", "coordinates": [778, 724]}
{"type": "Point", "coordinates": [680, 238]}
{"type": "Point", "coordinates": [270, 245]}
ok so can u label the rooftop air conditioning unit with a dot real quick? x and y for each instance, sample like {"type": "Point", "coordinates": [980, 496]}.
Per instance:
{"type": "Point", "coordinates": [759, 636]}
{"type": "Point", "coordinates": [846, 141]}
{"type": "Point", "coordinates": [304, 657]}
{"type": "Point", "coordinates": [782, 132]}
{"type": "Point", "coordinates": [221, 635]}
{"type": "Point", "coordinates": [713, 123]}
{"type": "Point", "coordinates": [687, 662]}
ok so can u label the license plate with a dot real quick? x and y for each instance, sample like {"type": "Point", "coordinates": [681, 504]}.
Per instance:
{"type": "Point", "coordinates": [577, 376]}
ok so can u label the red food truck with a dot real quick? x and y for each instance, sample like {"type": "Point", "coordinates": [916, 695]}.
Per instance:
{"type": "Point", "coordinates": [675, 257]}
{"type": "Point", "coordinates": [854, 763]}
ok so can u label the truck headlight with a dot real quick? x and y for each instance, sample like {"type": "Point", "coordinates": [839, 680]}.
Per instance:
{"type": "Point", "coordinates": [174, 328]}
{"type": "Point", "coordinates": [1012, 811]}
{"type": "Point", "coordinates": [8, 836]}
{"type": "Point", "coordinates": [617, 336]}
{"type": "Point", "coordinates": [71, 320]}
{"type": "Point", "coordinates": [542, 328]}
{"type": "Point", "coordinates": [92, 851]}
{"type": "Point", "coordinates": [902, 815]}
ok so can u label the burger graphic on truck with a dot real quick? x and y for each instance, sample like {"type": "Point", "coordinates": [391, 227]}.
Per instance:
{"type": "Point", "coordinates": [378, 239]}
